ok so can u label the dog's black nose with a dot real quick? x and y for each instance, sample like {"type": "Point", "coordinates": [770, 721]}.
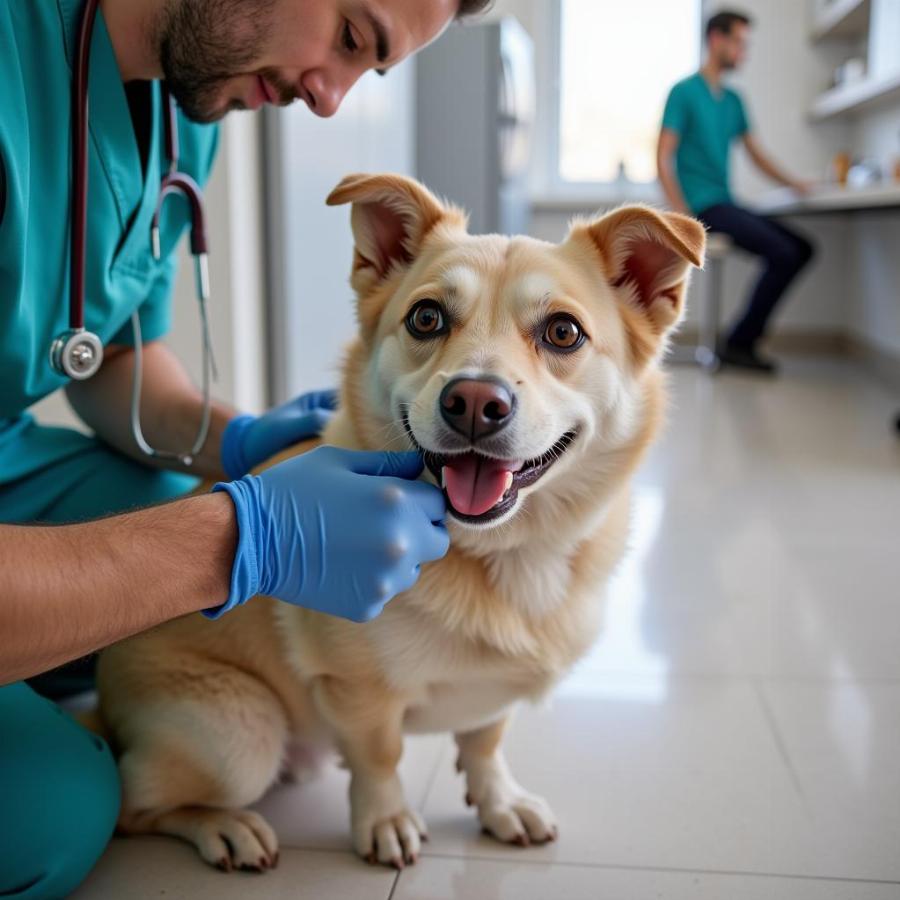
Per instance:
{"type": "Point", "coordinates": [477, 407]}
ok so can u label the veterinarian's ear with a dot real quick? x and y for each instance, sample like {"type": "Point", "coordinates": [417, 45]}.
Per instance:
{"type": "Point", "coordinates": [647, 255]}
{"type": "Point", "coordinates": [391, 217]}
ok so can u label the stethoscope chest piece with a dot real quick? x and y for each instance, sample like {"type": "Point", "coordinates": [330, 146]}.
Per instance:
{"type": "Point", "coordinates": [77, 354]}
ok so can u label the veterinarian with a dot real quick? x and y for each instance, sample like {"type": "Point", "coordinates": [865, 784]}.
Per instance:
{"type": "Point", "coordinates": [334, 531]}
{"type": "Point", "coordinates": [701, 120]}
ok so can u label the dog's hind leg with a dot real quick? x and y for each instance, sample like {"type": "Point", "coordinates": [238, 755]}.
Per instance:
{"type": "Point", "coordinates": [197, 753]}
{"type": "Point", "coordinates": [505, 809]}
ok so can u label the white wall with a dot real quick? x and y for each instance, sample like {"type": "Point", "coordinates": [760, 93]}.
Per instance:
{"type": "Point", "coordinates": [874, 242]}
{"type": "Point", "coordinates": [782, 77]}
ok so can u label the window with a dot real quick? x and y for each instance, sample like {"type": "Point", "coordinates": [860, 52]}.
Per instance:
{"type": "Point", "coordinates": [618, 60]}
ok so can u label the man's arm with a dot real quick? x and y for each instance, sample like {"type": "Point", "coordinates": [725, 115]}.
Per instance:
{"type": "Point", "coordinates": [768, 167]}
{"type": "Point", "coordinates": [171, 407]}
{"type": "Point", "coordinates": [69, 590]}
{"type": "Point", "coordinates": [333, 530]}
{"type": "Point", "coordinates": [665, 161]}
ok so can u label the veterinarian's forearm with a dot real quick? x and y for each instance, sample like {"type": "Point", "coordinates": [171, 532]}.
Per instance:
{"type": "Point", "coordinates": [671, 187]}
{"type": "Point", "coordinates": [69, 590]}
{"type": "Point", "coordinates": [171, 407]}
{"type": "Point", "coordinates": [665, 165]}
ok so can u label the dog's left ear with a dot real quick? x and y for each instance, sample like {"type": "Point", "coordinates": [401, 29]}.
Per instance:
{"type": "Point", "coordinates": [392, 215]}
{"type": "Point", "coordinates": [647, 255]}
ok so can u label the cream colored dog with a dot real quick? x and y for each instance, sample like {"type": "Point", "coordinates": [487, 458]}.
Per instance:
{"type": "Point", "coordinates": [528, 375]}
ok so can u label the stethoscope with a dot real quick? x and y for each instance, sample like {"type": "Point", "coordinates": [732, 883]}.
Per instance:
{"type": "Point", "coordinates": [78, 353]}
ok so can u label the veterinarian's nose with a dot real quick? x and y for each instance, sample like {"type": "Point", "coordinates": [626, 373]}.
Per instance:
{"type": "Point", "coordinates": [477, 407]}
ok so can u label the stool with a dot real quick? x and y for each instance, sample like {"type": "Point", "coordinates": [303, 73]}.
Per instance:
{"type": "Point", "coordinates": [706, 353]}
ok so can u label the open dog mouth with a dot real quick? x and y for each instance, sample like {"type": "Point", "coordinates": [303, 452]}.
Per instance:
{"type": "Point", "coordinates": [480, 488]}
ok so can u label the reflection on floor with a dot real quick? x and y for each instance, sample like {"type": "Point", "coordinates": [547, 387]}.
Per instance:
{"type": "Point", "coordinates": [736, 731]}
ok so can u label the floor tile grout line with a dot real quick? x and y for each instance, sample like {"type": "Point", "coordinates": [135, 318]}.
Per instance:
{"type": "Point", "coordinates": [394, 886]}
{"type": "Point", "coordinates": [675, 677]}
{"type": "Point", "coordinates": [781, 745]}
{"type": "Point", "coordinates": [625, 867]}
{"type": "Point", "coordinates": [432, 778]}
{"type": "Point", "coordinates": [348, 850]}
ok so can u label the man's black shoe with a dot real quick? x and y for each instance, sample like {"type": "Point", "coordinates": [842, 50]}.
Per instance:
{"type": "Point", "coordinates": [746, 358]}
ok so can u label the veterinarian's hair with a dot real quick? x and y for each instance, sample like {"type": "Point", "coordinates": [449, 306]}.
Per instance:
{"type": "Point", "coordinates": [473, 8]}
{"type": "Point", "coordinates": [723, 22]}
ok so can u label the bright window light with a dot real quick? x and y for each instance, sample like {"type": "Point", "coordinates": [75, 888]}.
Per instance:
{"type": "Point", "coordinates": [618, 61]}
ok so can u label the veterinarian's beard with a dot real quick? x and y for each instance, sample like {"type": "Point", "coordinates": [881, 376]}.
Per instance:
{"type": "Point", "coordinates": [204, 43]}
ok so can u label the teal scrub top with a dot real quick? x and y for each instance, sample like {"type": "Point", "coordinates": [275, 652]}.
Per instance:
{"type": "Point", "coordinates": [37, 41]}
{"type": "Point", "coordinates": [706, 122]}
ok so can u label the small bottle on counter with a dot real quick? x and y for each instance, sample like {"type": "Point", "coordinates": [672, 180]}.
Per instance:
{"type": "Point", "coordinates": [841, 164]}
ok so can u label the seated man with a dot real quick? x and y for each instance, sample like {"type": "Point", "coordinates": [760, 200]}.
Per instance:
{"type": "Point", "coordinates": [702, 117]}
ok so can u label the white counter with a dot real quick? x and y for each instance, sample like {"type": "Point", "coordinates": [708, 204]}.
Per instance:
{"type": "Point", "coordinates": [829, 199]}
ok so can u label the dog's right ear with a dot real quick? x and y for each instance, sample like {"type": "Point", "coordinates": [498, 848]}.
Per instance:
{"type": "Point", "coordinates": [391, 217]}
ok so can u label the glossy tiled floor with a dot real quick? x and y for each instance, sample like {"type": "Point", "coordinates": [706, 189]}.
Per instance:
{"type": "Point", "coordinates": [735, 733]}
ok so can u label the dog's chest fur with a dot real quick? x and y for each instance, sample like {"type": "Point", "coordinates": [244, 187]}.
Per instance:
{"type": "Point", "coordinates": [457, 679]}
{"type": "Point", "coordinates": [460, 706]}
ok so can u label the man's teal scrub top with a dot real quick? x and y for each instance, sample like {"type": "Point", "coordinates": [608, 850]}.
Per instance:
{"type": "Point", "coordinates": [37, 50]}
{"type": "Point", "coordinates": [706, 122]}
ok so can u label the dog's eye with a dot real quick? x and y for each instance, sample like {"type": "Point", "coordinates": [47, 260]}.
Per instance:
{"type": "Point", "coordinates": [426, 320]}
{"type": "Point", "coordinates": [564, 333]}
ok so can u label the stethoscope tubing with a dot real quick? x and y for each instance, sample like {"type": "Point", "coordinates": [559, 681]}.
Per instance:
{"type": "Point", "coordinates": [80, 165]}
{"type": "Point", "coordinates": [78, 353]}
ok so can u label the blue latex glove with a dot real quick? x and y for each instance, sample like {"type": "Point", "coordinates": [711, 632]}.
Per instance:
{"type": "Point", "coordinates": [250, 440]}
{"type": "Point", "coordinates": [334, 530]}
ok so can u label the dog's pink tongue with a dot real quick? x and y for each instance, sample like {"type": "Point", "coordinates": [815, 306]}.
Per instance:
{"type": "Point", "coordinates": [475, 484]}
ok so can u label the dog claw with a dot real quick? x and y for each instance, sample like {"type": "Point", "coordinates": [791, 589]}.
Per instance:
{"type": "Point", "coordinates": [256, 869]}
{"type": "Point", "coordinates": [521, 840]}
{"type": "Point", "coordinates": [397, 863]}
{"type": "Point", "coordinates": [370, 859]}
{"type": "Point", "coordinates": [224, 864]}
{"type": "Point", "coordinates": [469, 800]}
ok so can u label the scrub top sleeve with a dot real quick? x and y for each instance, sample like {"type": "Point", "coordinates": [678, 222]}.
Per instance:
{"type": "Point", "coordinates": [675, 112]}
{"type": "Point", "coordinates": [155, 313]}
{"type": "Point", "coordinates": [2, 189]}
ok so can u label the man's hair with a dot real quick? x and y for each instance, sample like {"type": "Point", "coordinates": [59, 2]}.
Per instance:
{"type": "Point", "coordinates": [723, 22]}
{"type": "Point", "coordinates": [472, 7]}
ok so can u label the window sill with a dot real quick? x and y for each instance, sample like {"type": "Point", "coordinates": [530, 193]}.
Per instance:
{"type": "Point", "coordinates": [588, 199]}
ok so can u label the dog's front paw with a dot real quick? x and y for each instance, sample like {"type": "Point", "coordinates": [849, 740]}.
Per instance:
{"type": "Point", "coordinates": [505, 809]}
{"type": "Point", "coordinates": [228, 839]}
{"type": "Point", "coordinates": [385, 829]}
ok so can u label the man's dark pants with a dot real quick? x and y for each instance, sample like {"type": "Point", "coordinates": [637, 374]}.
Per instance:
{"type": "Point", "coordinates": [784, 253]}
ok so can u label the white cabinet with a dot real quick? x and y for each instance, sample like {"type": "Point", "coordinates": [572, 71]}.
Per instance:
{"type": "Point", "coordinates": [868, 30]}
